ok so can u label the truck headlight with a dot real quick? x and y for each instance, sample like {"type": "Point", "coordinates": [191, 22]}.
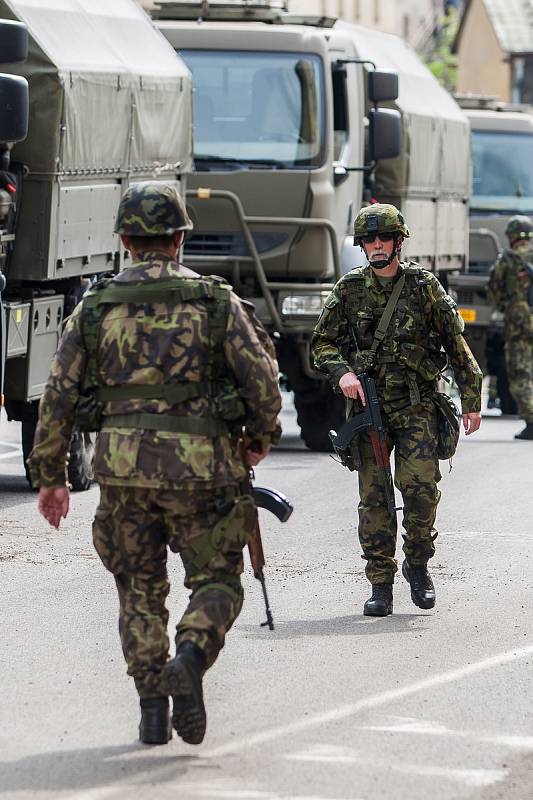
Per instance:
{"type": "Point", "coordinates": [299, 305]}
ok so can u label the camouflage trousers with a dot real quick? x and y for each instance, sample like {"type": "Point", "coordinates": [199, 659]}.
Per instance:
{"type": "Point", "coordinates": [519, 362]}
{"type": "Point", "coordinates": [132, 530]}
{"type": "Point", "coordinates": [413, 435]}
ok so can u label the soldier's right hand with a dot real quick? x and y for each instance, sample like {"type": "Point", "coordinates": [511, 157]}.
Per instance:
{"type": "Point", "coordinates": [54, 504]}
{"type": "Point", "coordinates": [350, 386]}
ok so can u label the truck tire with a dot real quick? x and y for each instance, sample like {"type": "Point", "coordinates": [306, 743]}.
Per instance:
{"type": "Point", "coordinates": [318, 412]}
{"type": "Point", "coordinates": [80, 468]}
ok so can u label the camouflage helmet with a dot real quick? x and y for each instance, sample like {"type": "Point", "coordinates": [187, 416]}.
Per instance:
{"type": "Point", "coordinates": [151, 209]}
{"type": "Point", "coordinates": [519, 227]}
{"type": "Point", "coordinates": [379, 218]}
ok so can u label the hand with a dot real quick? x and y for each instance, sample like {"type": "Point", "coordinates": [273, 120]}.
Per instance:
{"type": "Point", "coordinates": [471, 422]}
{"type": "Point", "coordinates": [350, 386]}
{"type": "Point", "coordinates": [54, 504]}
{"type": "Point", "coordinates": [255, 452]}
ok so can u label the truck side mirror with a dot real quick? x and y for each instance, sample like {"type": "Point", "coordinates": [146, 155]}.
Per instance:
{"type": "Point", "coordinates": [382, 86]}
{"type": "Point", "coordinates": [14, 108]}
{"type": "Point", "coordinates": [384, 134]}
{"type": "Point", "coordinates": [13, 42]}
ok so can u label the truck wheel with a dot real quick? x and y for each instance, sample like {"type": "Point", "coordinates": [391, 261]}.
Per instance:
{"type": "Point", "coordinates": [80, 468]}
{"type": "Point", "coordinates": [318, 412]}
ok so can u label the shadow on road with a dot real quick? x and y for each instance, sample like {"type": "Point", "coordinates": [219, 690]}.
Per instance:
{"type": "Point", "coordinates": [351, 625]}
{"type": "Point", "coordinates": [14, 491]}
{"type": "Point", "coordinates": [93, 767]}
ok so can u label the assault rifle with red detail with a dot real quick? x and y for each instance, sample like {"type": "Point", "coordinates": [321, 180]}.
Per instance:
{"type": "Point", "coordinates": [369, 419]}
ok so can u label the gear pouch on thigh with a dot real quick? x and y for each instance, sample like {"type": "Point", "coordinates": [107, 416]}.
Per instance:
{"type": "Point", "coordinates": [237, 527]}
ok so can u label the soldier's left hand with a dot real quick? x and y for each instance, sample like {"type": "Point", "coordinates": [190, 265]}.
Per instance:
{"type": "Point", "coordinates": [54, 504]}
{"type": "Point", "coordinates": [471, 421]}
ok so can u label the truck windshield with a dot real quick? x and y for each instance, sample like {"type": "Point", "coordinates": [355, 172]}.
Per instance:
{"type": "Point", "coordinates": [257, 107]}
{"type": "Point", "coordinates": [502, 172]}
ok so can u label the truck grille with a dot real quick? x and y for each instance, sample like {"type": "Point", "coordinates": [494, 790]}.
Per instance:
{"type": "Point", "coordinates": [465, 297]}
{"type": "Point", "coordinates": [231, 244]}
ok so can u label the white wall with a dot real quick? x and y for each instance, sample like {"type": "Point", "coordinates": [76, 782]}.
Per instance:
{"type": "Point", "coordinates": [411, 19]}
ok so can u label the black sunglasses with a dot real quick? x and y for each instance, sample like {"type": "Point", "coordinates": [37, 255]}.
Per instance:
{"type": "Point", "coordinates": [371, 237]}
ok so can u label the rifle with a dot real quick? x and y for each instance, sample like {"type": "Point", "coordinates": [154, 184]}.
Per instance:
{"type": "Point", "coordinates": [369, 419]}
{"type": "Point", "coordinates": [277, 504]}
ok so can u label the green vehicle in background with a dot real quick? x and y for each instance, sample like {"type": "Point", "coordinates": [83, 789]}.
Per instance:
{"type": "Point", "coordinates": [109, 103]}
{"type": "Point", "coordinates": [298, 121]}
{"type": "Point", "coordinates": [502, 186]}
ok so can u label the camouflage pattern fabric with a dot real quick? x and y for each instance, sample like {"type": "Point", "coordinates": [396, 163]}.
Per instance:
{"type": "Point", "coordinates": [425, 319]}
{"type": "Point", "coordinates": [151, 209]}
{"type": "Point", "coordinates": [510, 290]}
{"type": "Point", "coordinates": [405, 370]}
{"type": "Point", "coordinates": [379, 218]}
{"type": "Point", "coordinates": [162, 489]}
{"type": "Point", "coordinates": [154, 344]}
{"type": "Point", "coordinates": [132, 529]}
{"type": "Point", "coordinates": [413, 435]}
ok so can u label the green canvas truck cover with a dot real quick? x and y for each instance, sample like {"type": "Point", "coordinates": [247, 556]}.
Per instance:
{"type": "Point", "coordinates": [107, 92]}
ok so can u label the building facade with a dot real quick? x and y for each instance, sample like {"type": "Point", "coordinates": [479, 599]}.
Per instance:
{"type": "Point", "coordinates": [494, 47]}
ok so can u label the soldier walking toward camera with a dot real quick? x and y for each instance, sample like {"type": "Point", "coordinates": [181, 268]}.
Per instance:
{"type": "Point", "coordinates": [511, 292]}
{"type": "Point", "coordinates": [405, 361]}
{"type": "Point", "coordinates": [169, 367]}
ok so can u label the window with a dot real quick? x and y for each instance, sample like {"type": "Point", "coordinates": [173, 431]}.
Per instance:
{"type": "Point", "coordinates": [502, 171]}
{"type": "Point", "coordinates": [259, 107]}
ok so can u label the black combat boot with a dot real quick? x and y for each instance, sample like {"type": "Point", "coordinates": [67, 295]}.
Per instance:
{"type": "Point", "coordinates": [380, 604]}
{"type": "Point", "coordinates": [182, 678]}
{"type": "Point", "coordinates": [526, 433]}
{"type": "Point", "coordinates": [155, 727]}
{"type": "Point", "coordinates": [422, 589]}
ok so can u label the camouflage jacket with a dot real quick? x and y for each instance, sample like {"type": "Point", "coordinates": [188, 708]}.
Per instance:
{"type": "Point", "coordinates": [153, 344]}
{"type": "Point", "coordinates": [510, 290]}
{"type": "Point", "coordinates": [410, 358]}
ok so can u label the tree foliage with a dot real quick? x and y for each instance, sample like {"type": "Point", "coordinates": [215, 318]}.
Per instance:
{"type": "Point", "coordinates": [439, 57]}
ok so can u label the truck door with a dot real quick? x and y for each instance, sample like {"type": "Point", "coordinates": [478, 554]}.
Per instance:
{"type": "Point", "coordinates": [348, 152]}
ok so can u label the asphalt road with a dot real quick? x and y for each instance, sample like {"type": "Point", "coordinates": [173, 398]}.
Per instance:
{"type": "Point", "coordinates": [329, 706]}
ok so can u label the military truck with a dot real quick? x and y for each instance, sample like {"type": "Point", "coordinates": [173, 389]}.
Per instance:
{"type": "Point", "coordinates": [109, 103]}
{"type": "Point", "coordinates": [502, 185]}
{"type": "Point", "coordinates": [296, 125]}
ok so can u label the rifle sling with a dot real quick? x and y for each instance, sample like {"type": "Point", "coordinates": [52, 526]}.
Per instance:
{"type": "Point", "coordinates": [386, 317]}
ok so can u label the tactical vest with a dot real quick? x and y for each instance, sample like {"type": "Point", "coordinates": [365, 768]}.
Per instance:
{"type": "Point", "coordinates": [225, 402]}
{"type": "Point", "coordinates": [413, 351]}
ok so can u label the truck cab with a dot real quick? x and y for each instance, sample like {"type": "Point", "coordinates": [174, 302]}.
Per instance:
{"type": "Point", "coordinates": [502, 186]}
{"type": "Point", "coordinates": [299, 120]}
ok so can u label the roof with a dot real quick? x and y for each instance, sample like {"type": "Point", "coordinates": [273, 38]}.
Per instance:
{"type": "Point", "coordinates": [512, 21]}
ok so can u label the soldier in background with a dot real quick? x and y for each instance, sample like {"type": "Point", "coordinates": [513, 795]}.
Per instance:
{"type": "Point", "coordinates": [405, 368]}
{"type": "Point", "coordinates": [169, 367]}
{"type": "Point", "coordinates": [511, 292]}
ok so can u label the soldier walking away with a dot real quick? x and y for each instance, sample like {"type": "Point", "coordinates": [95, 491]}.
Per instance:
{"type": "Point", "coordinates": [405, 363]}
{"type": "Point", "coordinates": [168, 366]}
{"type": "Point", "coordinates": [511, 292]}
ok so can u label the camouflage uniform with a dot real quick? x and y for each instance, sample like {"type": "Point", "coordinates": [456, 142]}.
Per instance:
{"type": "Point", "coordinates": [511, 292]}
{"type": "Point", "coordinates": [405, 371]}
{"type": "Point", "coordinates": [163, 487]}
